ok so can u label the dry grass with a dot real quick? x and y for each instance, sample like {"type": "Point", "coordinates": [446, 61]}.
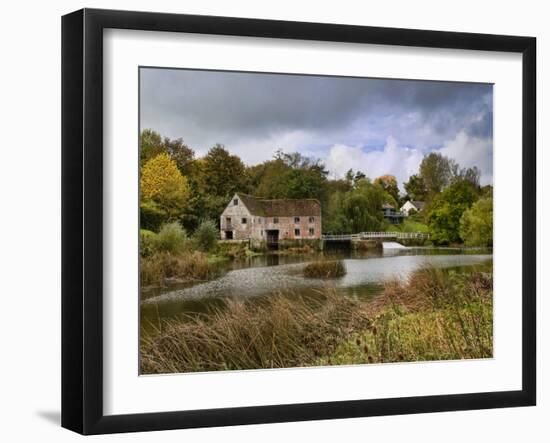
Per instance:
{"type": "Point", "coordinates": [279, 332]}
{"type": "Point", "coordinates": [325, 269]}
{"type": "Point", "coordinates": [160, 266]}
{"type": "Point", "coordinates": [435, 315]}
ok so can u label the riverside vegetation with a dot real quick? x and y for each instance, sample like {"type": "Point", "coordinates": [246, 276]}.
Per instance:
{"type": "Point", "coordinates": [434, 315]}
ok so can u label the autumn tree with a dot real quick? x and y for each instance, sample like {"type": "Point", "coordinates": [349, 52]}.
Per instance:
{"type": "Point", "coordinates": [163, 191]}
{"type": "Point", "coordinates": [389, 184]}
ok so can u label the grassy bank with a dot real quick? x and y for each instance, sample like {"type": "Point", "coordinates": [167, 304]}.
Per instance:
{"type": "Point", "coordinates": [434, 316]}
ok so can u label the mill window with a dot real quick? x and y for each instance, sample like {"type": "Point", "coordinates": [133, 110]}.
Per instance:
{"type": "Point", "coordinates": [297, 232]}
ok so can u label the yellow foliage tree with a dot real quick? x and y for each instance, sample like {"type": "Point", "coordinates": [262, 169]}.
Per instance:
{"type": "Point", "coordinates": [163, 185]}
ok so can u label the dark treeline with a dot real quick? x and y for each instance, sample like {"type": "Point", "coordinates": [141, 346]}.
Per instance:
{"type": "Point", "coordinates": [176, 185]}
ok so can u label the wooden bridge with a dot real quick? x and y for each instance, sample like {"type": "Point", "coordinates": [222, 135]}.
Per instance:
{"type": "Point", "coordinates": [375, 236]}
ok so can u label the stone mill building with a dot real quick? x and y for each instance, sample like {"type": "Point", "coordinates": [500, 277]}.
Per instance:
{"type": "Point", "coordinates": [270, 221]}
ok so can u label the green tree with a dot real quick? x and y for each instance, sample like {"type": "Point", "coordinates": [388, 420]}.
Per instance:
{"type": "Point", "coordinates": [476, 223]}
{"type": "Point", "coordinates": [224, 173]}
{"type": "Point", "coordinates": [416, 188]}
{"type": "Point", "coordinates": [182, 154]}
{"type": "Point", "coordinates": [436, 172]}
{"type": "Point", "coordinates": [150, 145]}
{"type": "Point", "coordinates": [206, 236]}
{"type": "Point", "coordinates": [389, 184]}
{"type": "Point", "coordinates": [447, 208]}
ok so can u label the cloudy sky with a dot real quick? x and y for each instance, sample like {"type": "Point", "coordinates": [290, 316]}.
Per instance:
{"type": "Point", "coordinates": [377, 126]}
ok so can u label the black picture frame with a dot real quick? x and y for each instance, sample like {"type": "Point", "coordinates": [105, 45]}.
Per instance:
{"type": "Point", "coordinates": [82, 219]}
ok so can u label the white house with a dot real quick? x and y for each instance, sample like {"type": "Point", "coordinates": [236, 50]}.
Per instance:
{"type": "Point", "coordinates": [410, 204]}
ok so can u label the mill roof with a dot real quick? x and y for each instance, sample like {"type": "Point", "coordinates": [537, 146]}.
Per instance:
{"type": "Point", "coordinates": [281, 207]}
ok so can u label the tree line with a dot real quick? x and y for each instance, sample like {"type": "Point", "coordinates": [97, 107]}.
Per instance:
{"type": "Point", "coordinates": [176, 185]}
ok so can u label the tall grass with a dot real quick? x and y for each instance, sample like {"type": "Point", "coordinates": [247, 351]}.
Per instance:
{"type": "Point", "coordinates": [160, 266]}
{"type": "Point", "coordinates": [281, 331]}
{"type": "Point", "coordinates": [325, 269]}
{"type": "Point", "coordinates": [435, 315]}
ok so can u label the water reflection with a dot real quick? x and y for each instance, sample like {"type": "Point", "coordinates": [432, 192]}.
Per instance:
{"type": "Point", "coordinates": [264, 275]}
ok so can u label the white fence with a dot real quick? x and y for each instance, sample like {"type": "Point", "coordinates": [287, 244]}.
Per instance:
{"type": "Point", "coordinates": [375, 235]}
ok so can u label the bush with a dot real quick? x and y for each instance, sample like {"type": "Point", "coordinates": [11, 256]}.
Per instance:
{"type": "Point", "coordinates": [325, 269]}
{"type": "Point", "coordinates": [171, 238]}
{"type": "Point", "coordinates": [476, 224]}
{"type": "Point", "coordinates": [146, 242]}
{"type": "Point", "coordinates": [206, 236]}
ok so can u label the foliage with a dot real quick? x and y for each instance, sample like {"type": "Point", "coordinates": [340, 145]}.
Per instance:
{"type": "Point", "coordinates": [389, 184]}
{"type": "Point", "coordinates": [146, 242]}
{"type": "Point", "coordinates": [206, 236]}
{"type": "Point", "coordinates": [476, 224]}
{"type": "Point", "coordinates": [447, 208]}
{"type": "Point", "coordinates": [436, 172]}
{"type": "Point", "coordinates": [416, 188]}
{"type": "Point", "coordinates": [171, 238]}
{"type": "Point", "coordinates": [225, 173]}
{"type": "Point", "coordinates": [150, 145]}
{"type": "Point", "coordinates": [164, 191]}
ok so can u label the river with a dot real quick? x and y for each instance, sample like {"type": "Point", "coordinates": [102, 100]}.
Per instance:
{"type": "Point", "coordinates": [267, 274]}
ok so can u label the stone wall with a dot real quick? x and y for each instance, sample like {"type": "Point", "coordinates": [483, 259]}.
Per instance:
{"type": "Point", "coordinates": [238, 219]}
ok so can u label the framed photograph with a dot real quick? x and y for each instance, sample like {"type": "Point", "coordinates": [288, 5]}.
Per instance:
{"type": "Point", "coordinates": [268, 221]}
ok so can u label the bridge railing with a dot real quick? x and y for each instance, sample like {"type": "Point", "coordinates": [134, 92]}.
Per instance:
{"type": "Point", "coordinates": [375, 235]}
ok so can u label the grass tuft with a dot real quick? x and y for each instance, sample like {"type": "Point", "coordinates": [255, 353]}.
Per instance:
{"type": "Point", "coordinates": [325, 269]}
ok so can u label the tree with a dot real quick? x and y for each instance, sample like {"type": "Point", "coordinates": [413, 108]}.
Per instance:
{"type": "Point", "coordinates": [150, 145]}
{"type": "Point", "coordinates": [476, 223]}
{"type": "Point", "coordinates": [436, 172]}
{"type": "Point", "coordinates": [225, 173]}
{"type": "Point", "coordinates": [389, 184]}
{"type": "Point", "coordinates": [163, 190]}
{"type": "Point", "coordinates": [206, 236]}
{"type": "Point", "coordinates": [416, 188]}
{"type": "Point", "coordinates": [182, 154]}
{"type": "Point", "coordinates": [447, 208]}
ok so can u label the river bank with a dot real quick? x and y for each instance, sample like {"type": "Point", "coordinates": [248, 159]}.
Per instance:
{"type": "Point", "coordinates": [432, 315]}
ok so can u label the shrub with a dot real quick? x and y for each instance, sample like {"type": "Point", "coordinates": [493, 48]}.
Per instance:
{"type": "Point", "coordinates": [206, 236]}
{"type": "Point", "coordinates": [146, 242]}
{"type": "Point", "coordinates": [325, 269]}
{"type": "Point", "coordinates": [171, 238]}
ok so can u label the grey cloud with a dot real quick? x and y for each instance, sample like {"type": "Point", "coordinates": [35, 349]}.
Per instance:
{"type": "Point", "coordinates": [247, 109]}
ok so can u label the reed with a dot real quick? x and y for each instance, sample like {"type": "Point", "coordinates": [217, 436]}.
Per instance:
{"type": "Point", "coordinates": [325, 269]}
{"type": "Point", "coordinates": [186, 267]}
{"type": "Point", "coordinates": [434, 315]}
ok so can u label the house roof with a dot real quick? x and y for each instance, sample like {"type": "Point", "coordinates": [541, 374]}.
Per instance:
{"type": "Point", "coordinates": [387, 206]}
{"type": "Point", "coordinates": [418, 204]}
{"type": "Point", "coordinates": [281, 207]}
